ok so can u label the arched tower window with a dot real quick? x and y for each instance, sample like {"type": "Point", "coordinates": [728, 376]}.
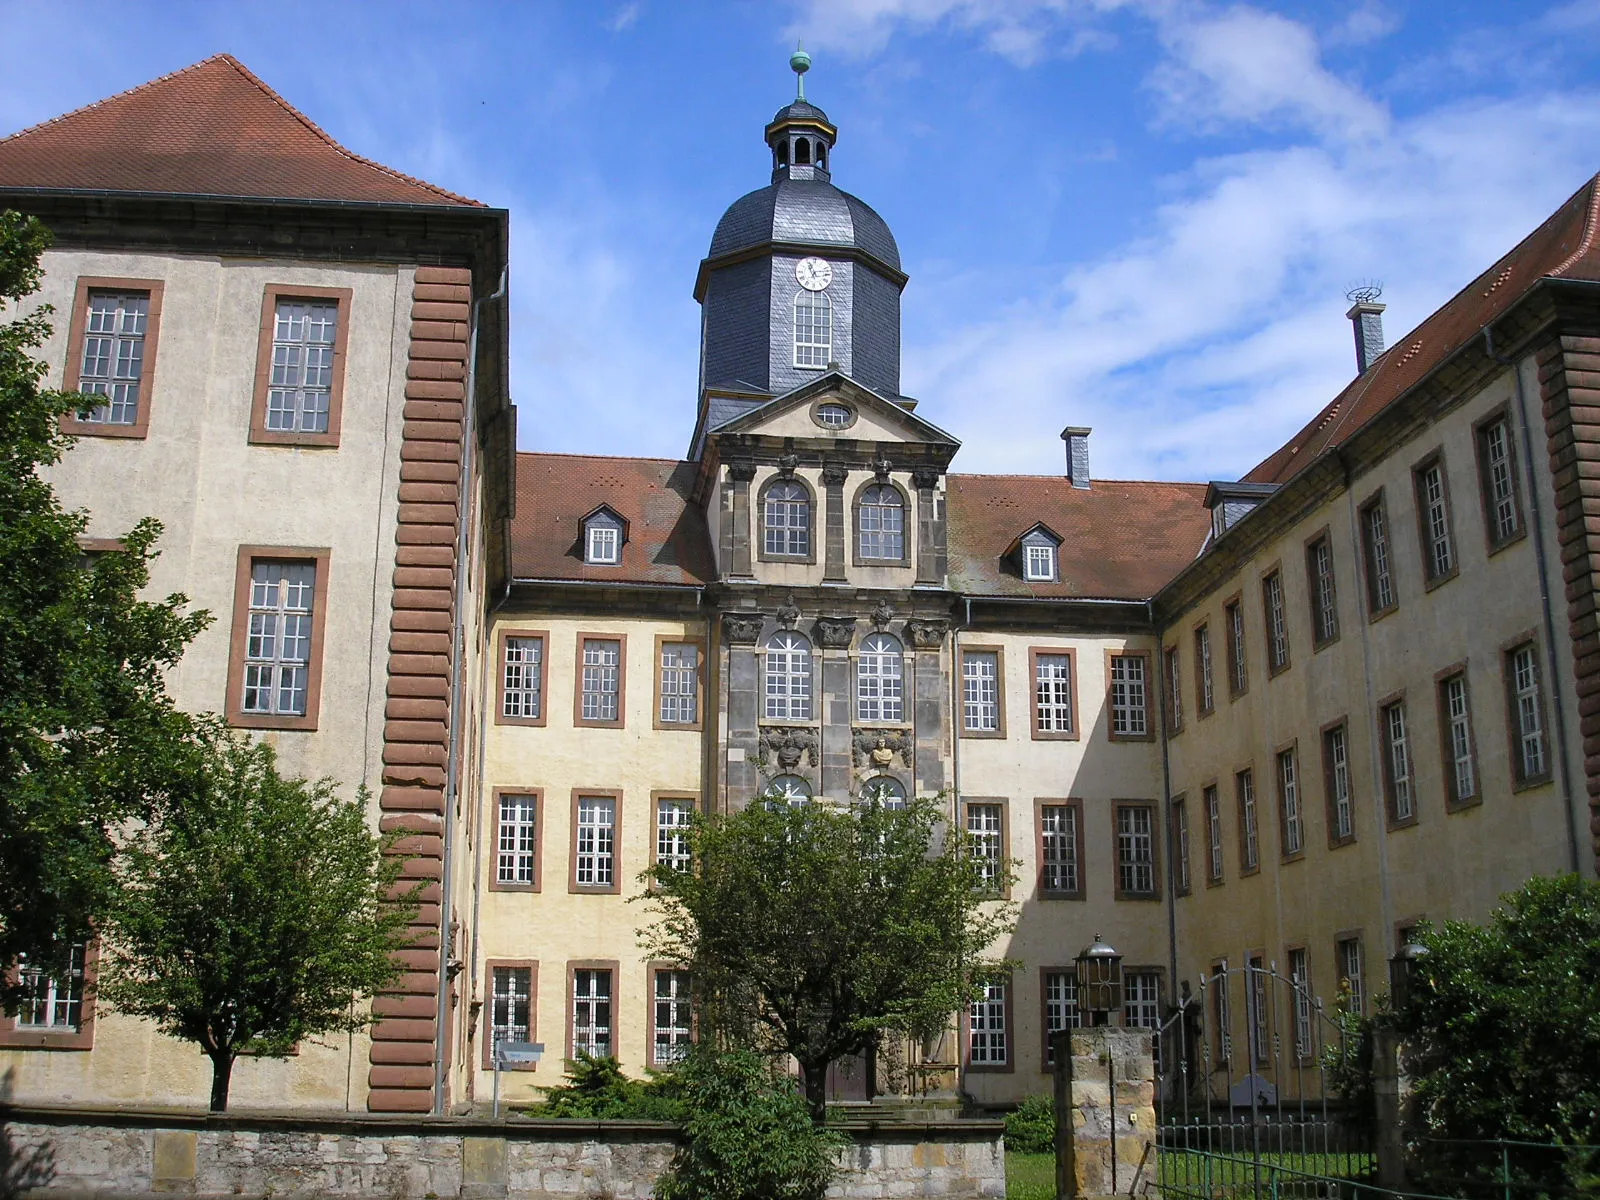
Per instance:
{"type": "Point", "coordinates": [788, 683]}
{"type": "Point", "coordinates": [880, 683]}
{"type": "Point", "coordinates": [813, 329]}
{"type": "Point", "coordinates": [802, 152]}
{"type": "Point", "coordinates": [884, 790]}
{"type": "Point", "coordinates": [786, 520]}
{"type": "Point", "coordinates": [881, 523]}
{"type": "Point", "coordinates": [783, 154]}
{"type": "Point", "coordinates": [822, 156]}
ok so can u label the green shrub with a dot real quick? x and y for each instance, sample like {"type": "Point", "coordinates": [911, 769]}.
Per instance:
{"type": "Point", "coordinates": [598, 1090]}
{"type": "Point", "coordinates": [748, 1135]}
{"type": "Point", "coordinates": [1031, 1126]}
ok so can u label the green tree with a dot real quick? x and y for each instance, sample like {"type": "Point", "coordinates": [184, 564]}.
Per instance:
{"type": "Point", "coordinates": [89, 738]}
{"type": "Point", "coordinates": [1502, 1029]}
{"type": "Point", "coordinates": [747, 1135]}
{"type": "Point", "coordinates": [811, 930]}
{"type": "Point", "coordinates": [254, 916]}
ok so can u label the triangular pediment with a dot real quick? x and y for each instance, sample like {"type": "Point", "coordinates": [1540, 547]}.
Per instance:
{"type": "Point", "coordinates": [811, 412]}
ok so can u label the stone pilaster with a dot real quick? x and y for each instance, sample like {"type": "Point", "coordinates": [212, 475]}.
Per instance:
{"type": "Point", "coordinates": [833, 477]}
{"type": "Point", "coordinates": [929, 701]}
{"type": "Point", "coordinates": [741, 778]}
{"type": "Point", "coordinates": [1112, 1124]}
{"type": "Point", "coordinates": [739, 536]}
{"type": "Point", "coordinates": [931, 553]}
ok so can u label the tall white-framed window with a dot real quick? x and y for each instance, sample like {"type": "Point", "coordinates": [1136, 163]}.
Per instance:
{"type": "Point", "coordinates": [1499, 481]}
{"type": "Point", "coordinates": [1174, 675]}
{"type": "Point", "coordinates": [1397, 762]}
{"type": "Point", "coordinates": [880, 683]}
{"type": "Point", "coordinates": [1039, 562]}
{"type": "Point", "coordinates": [1527, 706]}
{"type": "Point", "coordinates": [1052, 693]}
{"type": "Point", "coordinates": [1439, 556]}
{"type": "Point", "coordinates": [604, 544]}
{"type": "Point", "coordinates": [1214, 860]}
{"type": "Point", "coordinates": [678, 701]}
{"type": "Point", "coordinates": [673, 1018]}
{"type": "Point", "coordinates": [986, 829]}
{"type": "Point", "coordinates": [1136, 850]}
{"type": "Point", "coordinates": [986, 1028]}
{"type": "Point", "coordinates": [53, 1001]}
{"type": "Point", "coordinates": [1060, 1008]}
{"type": "Point", "coordinates": [518, 840]}
{"type": "Point", "coordinates": [786, 520]}
{"type": "Point", "coordinates": [1059, 869]}
{"type": "Point", "coordinates": [1129, 702]}
{"type": "Point", "coordinates": [980, 691]}
{"type": "Point", "coordinates": [673, 819]}
{"type": "Point", "coordinates": [1202, 657]}
{"type": "Point", "coordinates": [602, 679]}
{"type": "Point", "coordinates": [1141, 999]}
{"type": "Point", "coordinates": [792, 790]}
{"type": "Point", "coordinates": [1341, 811]}
{"type": "Point", "coordinates": [1324, 594]}
{"type": "Point", "coordinates": [591, 1012]}
{"type": "Point", "coordinates": [1222, 1010]}
{"type": "Point", "coordinates": [1351, 976]}
{"type": "Point", "coordinates": [301, 386]}
{"type": "Point", "coordinates": [522, 696]}
{"type": "Point", "coordinates": [1256, 1003]}
{"type": "Point", "coordinates": [113, 355]}
{"type": "Point", "coordinates": [1277, 626]}
{"type": "Point", "coordinates": [511, 1017]}
{"type": "Point", "coordinates": [1239, 674]}
{"type": "Point", "coordinates": [885, 791]}
{"type": "Point", "coordinates": [882, 519]}
{"type": "Point", "coordinates": [788, 677]}
{"type": "Point", "coordinates": [813, 329]}
{"type": "Point", "coordinates": [595, 861]}
{"type": "Point", "coordinates": [1180, 844]}
{"type": "Point", "coordinates": [1375, 545]}
{"type": "Point", "coordinates": [277, 663]}
{"type": "Point", "coordinates": [1463, 774]}
{"type": "Point", "coordinates": [1249, 828]}
{"type": "Point", "coordinates": [1294, 839]}
{"type": "Point", "coordinates": [1300, 978]}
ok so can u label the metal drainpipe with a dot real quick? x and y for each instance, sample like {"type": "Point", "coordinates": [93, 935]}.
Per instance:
{"type": "Point", "coordinates": [1551, 645]}
{"type": "Point", "coordinates": [1166, 791]}
{"type": "Point", "coordinates": [457, 642]}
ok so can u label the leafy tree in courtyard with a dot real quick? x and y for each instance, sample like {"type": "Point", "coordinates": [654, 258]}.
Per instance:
{"type": "Point", "coordinates": [88, 736]}
{"type": "Point", "coordinates": [1503, 1029]}
{"type": "Point", "coordinates": [254, 916]}
{"type": "Point", "coordinates": [812, 930]}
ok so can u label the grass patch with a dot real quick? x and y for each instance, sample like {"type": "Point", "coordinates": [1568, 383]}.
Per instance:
{"type": "Point", "coordinates": [1030, 1176]}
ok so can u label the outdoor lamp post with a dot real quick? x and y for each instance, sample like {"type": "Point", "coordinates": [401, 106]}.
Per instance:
{"type": "Point", "coordinates": [1403, 971]}
{"type": "Point", "coordinates": [1099, 982]}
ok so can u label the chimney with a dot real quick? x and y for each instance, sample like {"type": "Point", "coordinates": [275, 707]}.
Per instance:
{"type": "Point", "coordinates": [1366, 315]}
{"type": "Point", "coordinates": [1077, 439]}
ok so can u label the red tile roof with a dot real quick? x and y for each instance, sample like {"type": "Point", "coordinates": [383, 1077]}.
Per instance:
{"type": "Point", "coordinates": [1122, 540]}
{"type": "Point", "coordinates": [667, 540]}
{"type": "Point", "coordinates": [212, 129]}
{"type": "Point", "coordinates": [1563, 247]}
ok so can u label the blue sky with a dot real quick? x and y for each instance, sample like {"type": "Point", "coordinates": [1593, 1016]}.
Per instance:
{"type": "Point", "coordinates": [1138, 216]}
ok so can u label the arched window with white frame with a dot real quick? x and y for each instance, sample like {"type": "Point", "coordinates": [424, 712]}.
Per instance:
{"type": "Point", "coordinates": [880, 679]}
{"type": "Point", "coordinates": [788, 789]}
{"type": "Point", "coordinates": [813, 329]}
{"type": "Point", "coordinates": [786, 520]}
{"type": "Point", "coordinates": [885, 791]}
{"type": "Point", "coordinates": [788, 683]}
{"type": "Point", "coordinates": [881, 524]}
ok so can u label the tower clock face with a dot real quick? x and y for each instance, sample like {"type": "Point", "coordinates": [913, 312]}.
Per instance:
{"type": "Point", "coordinates": [813, 274]}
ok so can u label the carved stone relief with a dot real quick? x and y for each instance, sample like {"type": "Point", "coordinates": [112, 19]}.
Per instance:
{"type": "Point", "coordinates": [926, 634]}
{"type": "Point", "coordinates": [741, 629]}
{"type": "Point", "coordinates": [789, 614]}
{"type": "Point", "coordinates": [836, 633]}
{"type": "Point", "coordinates": [787, 745]}
{"type": "Point", "coordinates": [878, 747]}
{"type": "Point", "coordinates": [882, 614]}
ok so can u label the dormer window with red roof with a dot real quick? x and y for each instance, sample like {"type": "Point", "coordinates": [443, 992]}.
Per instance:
{"type": "Point", "coordinates": [1037, 555]}
{"type": "Point", "coordinates": [604, 532]}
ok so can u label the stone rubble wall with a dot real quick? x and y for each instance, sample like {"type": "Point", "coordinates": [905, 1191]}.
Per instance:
{"type": "Point", "coordinates": [116, 1155]}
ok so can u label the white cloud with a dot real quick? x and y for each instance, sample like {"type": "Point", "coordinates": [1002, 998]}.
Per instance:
{"type": "Point", "coordinates": [1019, 30]}
{"type": "Point", "coordinates": [625, 18]}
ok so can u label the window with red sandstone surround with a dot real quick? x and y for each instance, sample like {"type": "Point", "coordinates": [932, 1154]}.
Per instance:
{"type": "Point", "coordinates": [300, 364]}
{"type": "Point", "coordinates": [279, 613]}
{"type": "Point", "coordinates": [56, 1009]}
{"type": "Point", "coordinates": [111, 354]}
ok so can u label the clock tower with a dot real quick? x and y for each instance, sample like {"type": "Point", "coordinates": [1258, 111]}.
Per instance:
{"type": "Point", "coordinates": [801, 277]}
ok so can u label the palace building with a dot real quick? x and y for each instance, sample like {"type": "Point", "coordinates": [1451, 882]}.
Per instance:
{"type": "Point", "coordinates": [1275, 721]}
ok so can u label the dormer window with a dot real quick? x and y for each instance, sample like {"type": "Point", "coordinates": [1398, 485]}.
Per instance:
{"type": "Point", "coordinates": [603, 534]}
{"type": "Point", "coordinates": [1040, 564]}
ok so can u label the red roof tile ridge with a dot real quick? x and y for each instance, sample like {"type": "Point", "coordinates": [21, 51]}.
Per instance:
{"type": "Point", "coordinates": [642, 458]}
{"type": "Point", "coordinates": [334, 145]}
{"type": "Point", "coordinates": [1590, 219]}
{"type": "Point", "coordinates": [1063, 479]}
{"type": "Point", "coordinates": [105, 100]}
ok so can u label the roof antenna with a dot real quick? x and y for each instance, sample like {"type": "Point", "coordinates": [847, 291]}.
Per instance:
{"type": "Point", "coordinates": [1366, 316]}
{"type": "Point", "coordinates": [1365, 292]}
{"type": "Point", "coordinates": [800, 63]}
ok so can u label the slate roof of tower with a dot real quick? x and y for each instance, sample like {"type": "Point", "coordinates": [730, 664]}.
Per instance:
{"type": "Point", "coordinates": [212, 129]}
{"type": "Point", "coordinates": [1121, 540]}
{"type": "Point", "coordinates": [803, 210]}
{"type": "Point", "coordinates": [800, 110]}
{"type": "Point", "coordinates": [1564, 246]}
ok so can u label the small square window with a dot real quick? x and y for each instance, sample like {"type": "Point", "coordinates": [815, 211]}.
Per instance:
{"type": "Point", "coordinates": [604, 546]}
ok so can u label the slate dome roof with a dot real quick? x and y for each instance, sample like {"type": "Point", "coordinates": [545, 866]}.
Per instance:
{"type": "Point", "coordinates": [800, 110]}
{"type": "Point", "coordinates": [803, 210]}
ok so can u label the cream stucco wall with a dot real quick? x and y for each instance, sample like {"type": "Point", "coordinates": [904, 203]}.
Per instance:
{"type": "Point", "coordinates": [1446, 865]}
{"type": "Point", "coordinates": [214, 492]}
{"type": "Point", "coordinates": [555, 926]}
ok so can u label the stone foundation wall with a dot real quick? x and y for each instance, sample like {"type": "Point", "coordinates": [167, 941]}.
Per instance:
{"type": "Point", "coordinates": [108, 1155]}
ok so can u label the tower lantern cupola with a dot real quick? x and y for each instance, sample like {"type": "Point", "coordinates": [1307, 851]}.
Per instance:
{"type": "Point", "coordinates": [801, 136]}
